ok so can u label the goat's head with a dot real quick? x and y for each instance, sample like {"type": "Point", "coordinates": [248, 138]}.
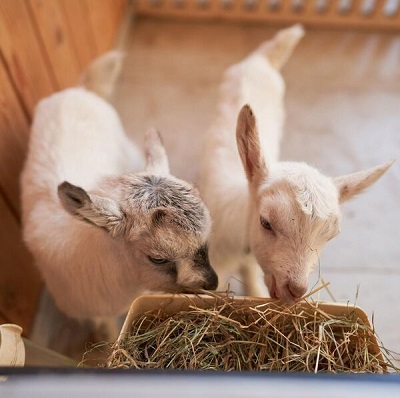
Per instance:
{"type": "Point", "coordinates": [161, 220]}
{"type": "Point", "coordinates": [294, 211]}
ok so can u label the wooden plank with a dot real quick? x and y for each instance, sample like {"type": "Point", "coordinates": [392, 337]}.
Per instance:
{"type": "Point", "coordinates": [3, 318]}
{"type": "Point", "coordinates": [23, 55]}
{"type": "Point", "coordinates": [14, 134]}
{"type": "Point", "coordinates": [54, 32]}
{"type": "Point", "coordinates": [19, 281]}
{"type": "Point", "coordinates": [105, 17]}
{"type": "Point", "coordinates": [77, 15]}
{"type": "Point", "coordinates": [40, 52]}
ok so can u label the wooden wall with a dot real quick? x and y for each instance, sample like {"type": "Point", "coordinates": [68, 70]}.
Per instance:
{"type": "Point", "coordinates": [44, 47]}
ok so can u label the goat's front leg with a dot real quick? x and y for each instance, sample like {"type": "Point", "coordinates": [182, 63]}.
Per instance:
{"type": "Point", "coordinates": [105, 329]}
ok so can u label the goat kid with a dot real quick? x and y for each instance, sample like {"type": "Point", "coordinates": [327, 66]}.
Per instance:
{"type": "Point", "coordinates": [100, 230]}
{"type": "Point", "coordinates": [276, 214]}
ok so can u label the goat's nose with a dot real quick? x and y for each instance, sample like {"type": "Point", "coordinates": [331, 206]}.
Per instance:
{"type": "Point", "coordinates": [211, 280]}
{"type": "Point", "coordinates": [297, 290]}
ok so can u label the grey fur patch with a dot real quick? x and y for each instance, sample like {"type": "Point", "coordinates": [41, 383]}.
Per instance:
{"type": "Point", "coordinates": [154, 191]}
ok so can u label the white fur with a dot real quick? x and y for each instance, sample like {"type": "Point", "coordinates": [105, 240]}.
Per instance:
{"type": "Point", "coordinates": [300, 203]}
{"type": "Point", "coordinates": [87, 215]}
{"type": "Point", "coordinates": [76, 137]}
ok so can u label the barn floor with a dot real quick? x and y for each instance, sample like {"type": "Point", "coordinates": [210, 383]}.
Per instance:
{"type": "Point", "coordinates": [342, 102]}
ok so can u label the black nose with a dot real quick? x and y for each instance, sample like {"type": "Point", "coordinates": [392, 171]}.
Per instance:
{"type": "Point", "coordinates": [211, 280]}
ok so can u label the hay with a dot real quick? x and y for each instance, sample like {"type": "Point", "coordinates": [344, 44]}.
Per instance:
{"type": "Point", "coordinates": [233, 335]}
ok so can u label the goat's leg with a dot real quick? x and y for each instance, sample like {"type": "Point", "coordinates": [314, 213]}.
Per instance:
{"type": "Point", "coordinates": [54, 330]}
{"type": "Point", "coordinates": [253, 279]}
{"type": "Point", "coordinates": [105, 329]}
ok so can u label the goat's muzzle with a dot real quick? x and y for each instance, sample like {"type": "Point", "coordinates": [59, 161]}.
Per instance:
{"type": "Point", "coordinates": [211, 280]}
{"type": "Point", "coordinates": [288, 292]}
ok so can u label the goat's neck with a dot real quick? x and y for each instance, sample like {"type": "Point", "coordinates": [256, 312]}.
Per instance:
{"type": "Point", "coordinates": [256, 83]}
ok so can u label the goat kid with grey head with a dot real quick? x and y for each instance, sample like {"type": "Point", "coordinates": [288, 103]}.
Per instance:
{"type": "Point", "coordinates": [277, 214]}
{"type": "Point", "coordinates": [101, 233]}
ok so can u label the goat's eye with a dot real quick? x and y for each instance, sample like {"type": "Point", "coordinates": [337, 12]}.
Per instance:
{"type": "Point", "coordinates": [265, 224]}
{"type": "Point", "coordinates": [158, 261]}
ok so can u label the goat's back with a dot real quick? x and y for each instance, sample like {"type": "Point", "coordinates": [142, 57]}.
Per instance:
{"type": "Point", "coordinates": [76, 136]}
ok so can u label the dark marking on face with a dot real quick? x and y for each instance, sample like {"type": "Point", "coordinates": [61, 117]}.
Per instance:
{"type": "Point", "coordinates": [201, 261]}
{"type": "Point", "coordinates": [169, 269]}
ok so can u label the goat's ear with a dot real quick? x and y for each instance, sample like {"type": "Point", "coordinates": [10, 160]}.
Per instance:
{"type": "Point", "coordinates": [353, 184]}
{"type": "Point", "coordinates": [100, 211]}
{"type": "Point", "coordinates": [156, 157]}
{"type": "Point", "coordinates": [248, 144]}
{"type": "Point", "coordinates": [160, 215]}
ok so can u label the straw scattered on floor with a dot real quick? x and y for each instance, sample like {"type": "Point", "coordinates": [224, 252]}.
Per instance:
{"type": "Point", "coordinates": [233, 335]}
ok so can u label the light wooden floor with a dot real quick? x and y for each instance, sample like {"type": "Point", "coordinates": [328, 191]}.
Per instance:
{"type": "Point", "coordinates": [343, 114]}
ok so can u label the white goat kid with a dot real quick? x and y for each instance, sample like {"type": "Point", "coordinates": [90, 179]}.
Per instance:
{"type": "Point", "coordinates": [276, 214]}
{"type": "Point", "coordinates": [100, 246]}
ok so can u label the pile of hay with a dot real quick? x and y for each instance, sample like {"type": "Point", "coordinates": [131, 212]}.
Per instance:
{"type": "Point", "coordinates": [233, 335]}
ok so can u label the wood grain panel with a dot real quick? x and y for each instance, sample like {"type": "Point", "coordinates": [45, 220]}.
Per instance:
{"type": "Point", "coordinates": [105, 17]}
{"type": "Point", "coordinates": [20, 282]}
{"type": "Point", "coordinates": [23, 54]}
{"type": "Point", "coordinates": [82, 36]}
{"type": "Point", "coordinates": [13, 140]}
{"type": "Point", "coordinates": [44, 46]}
{"type": "Point", "coordinates": [57, 40]}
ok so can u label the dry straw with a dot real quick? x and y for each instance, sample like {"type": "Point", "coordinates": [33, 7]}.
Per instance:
{"type": "Point", "coordinates": [234, 335]}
